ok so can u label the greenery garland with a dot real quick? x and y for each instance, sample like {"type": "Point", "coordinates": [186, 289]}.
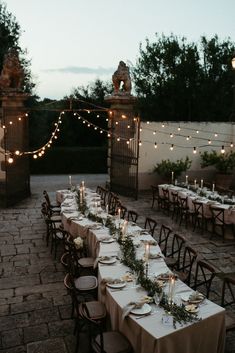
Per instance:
{"type": "Point", "coordinates": [127, 246]}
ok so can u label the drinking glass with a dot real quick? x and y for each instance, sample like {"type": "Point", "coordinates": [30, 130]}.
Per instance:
{"type": "Point", "coordinates": [157, 298]}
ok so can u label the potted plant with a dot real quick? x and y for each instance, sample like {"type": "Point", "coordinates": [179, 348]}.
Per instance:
{"type": "Point", "coordinates": [167, 168]}
{"type": "Point", "coordinates": [224, 163]}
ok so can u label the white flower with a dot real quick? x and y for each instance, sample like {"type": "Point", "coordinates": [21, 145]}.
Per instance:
{"type": "Point", "coordinates": [78, 242]}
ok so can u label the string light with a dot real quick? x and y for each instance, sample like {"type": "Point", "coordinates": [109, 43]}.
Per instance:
{"type": "Point", "coordinates": [222, 150]}
{"type": "Point", "coordinates": [10, 160]}
{"type": "Point", "coordinates": [41, 150]}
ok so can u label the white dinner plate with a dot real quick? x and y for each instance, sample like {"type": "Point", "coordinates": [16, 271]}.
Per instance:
{"type": "Point", "coordinates": [109, 240]}
{"type": "Point", "coordinates": [109, 261]}
{"type": "Point", "coordinates": [117, 285]}
{"type": "Point", "coordinates": [145, 309]}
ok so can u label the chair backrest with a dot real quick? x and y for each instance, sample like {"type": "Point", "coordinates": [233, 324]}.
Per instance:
{"type": "Point", "coordinates": [98, 189]}
{"type": "Point", "coordinates": [176, 247]}
{"type": "Point", "coordinates": [103, 195]}
{"type": "Point", "coordinates": [217, 215]}
{"type": "Point", "coordinates": [198, 208]}
{"type": "Point", "coordinates": [204, 275]}
{"type": "Point", "coordinates": [183, 202]}
{"type": "Point", "coordinates": [132, 216]}
{"type": "Point", "coordinates": [150, 225]}
{"type": "Point", "coordinates": [123, 210]}
{"type": "Point", "coordinates": [47, 198]}
{"type": "Point", "coordinates": [228, 291]}
{"type": "Point", "coordinates": [112, 202]}
{"type": "Point", "coordinates": [165, 193]}
{"type": "Point", "coordinates": [163, 238]}
{"type": "Point", "coordinates": [189, 258]}
{"type": "Point", "coordinates": [175, 197]}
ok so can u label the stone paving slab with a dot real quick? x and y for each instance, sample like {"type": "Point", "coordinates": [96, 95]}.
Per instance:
{"type": "Point", "coordinates": [35, 308]}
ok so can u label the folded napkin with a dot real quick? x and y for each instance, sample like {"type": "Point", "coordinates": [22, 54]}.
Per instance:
{"type": "Point", "coordinates": [130, 306]}
{"type": "Point", "coordinates": [110, 280]}
{"type": "Point", "coordinates": [155, 256]}
{"type": "Point", "coordinates": [152, 242]}
{"type": "Point", "coordinates": [128, 277]}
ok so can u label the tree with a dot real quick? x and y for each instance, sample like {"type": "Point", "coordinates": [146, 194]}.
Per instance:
{"type": "Point", "coordinates": [9, 38]}
{"type": "Point", "coordinates": [93, 92]}
{"type": "Point", "coordinates": [177, 80]}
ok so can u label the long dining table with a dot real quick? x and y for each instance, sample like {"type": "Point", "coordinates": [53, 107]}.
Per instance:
{"type": "Point", "coordinates": [146, 333]}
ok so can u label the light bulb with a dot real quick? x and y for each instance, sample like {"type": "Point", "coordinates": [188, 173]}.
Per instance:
{"type": "Point", "coordinates": [35, 156]}
{"type": "Point", "coordinates": [222, 150]}
{"type": "Point", "coordinates": [155, 145]}
{"type": "Point", "coordinates": [10, 160]}
{"type": "Point", "coordinates": [172, 147]}
{"type": "Point", "coordinates": [194, 150]}
{"type": "Point", "coordinates": [17, 152]}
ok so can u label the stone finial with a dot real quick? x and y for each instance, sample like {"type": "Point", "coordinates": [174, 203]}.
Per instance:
{"type": "Point", "coordinates": [122, 75]}
{"type": "Point", "coordinates": [12, 74]}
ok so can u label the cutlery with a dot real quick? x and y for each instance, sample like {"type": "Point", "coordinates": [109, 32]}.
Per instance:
{"type": "Point", "coordinates": [141, 316]}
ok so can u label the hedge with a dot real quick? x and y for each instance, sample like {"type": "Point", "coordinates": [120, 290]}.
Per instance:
{"type": "Point", "coordinates": [66, 160]}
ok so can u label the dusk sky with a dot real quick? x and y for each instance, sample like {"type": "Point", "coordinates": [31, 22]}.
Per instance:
{"type": "Point", "coordinates": [73, 42]}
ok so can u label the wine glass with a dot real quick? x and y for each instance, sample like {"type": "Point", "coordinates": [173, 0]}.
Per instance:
{"type": "Point", "coordinates": [157, 298]}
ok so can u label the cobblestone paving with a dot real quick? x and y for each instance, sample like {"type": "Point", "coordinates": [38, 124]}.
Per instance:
{"type": "Point", "coordinates": [34, 305]}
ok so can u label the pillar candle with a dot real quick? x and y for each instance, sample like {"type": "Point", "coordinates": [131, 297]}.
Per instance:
{"type": "Point", "coordinates": [147, 251]}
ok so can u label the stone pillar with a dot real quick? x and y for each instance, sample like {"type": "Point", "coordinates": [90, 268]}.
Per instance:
{"type": "Point", "coordinates": [14, 177]}
{"type": "Point", "coordinates": [123, 156]}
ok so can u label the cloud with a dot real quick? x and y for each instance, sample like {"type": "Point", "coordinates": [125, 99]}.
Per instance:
{"type": "Point", "coordinates": [83, 70]}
